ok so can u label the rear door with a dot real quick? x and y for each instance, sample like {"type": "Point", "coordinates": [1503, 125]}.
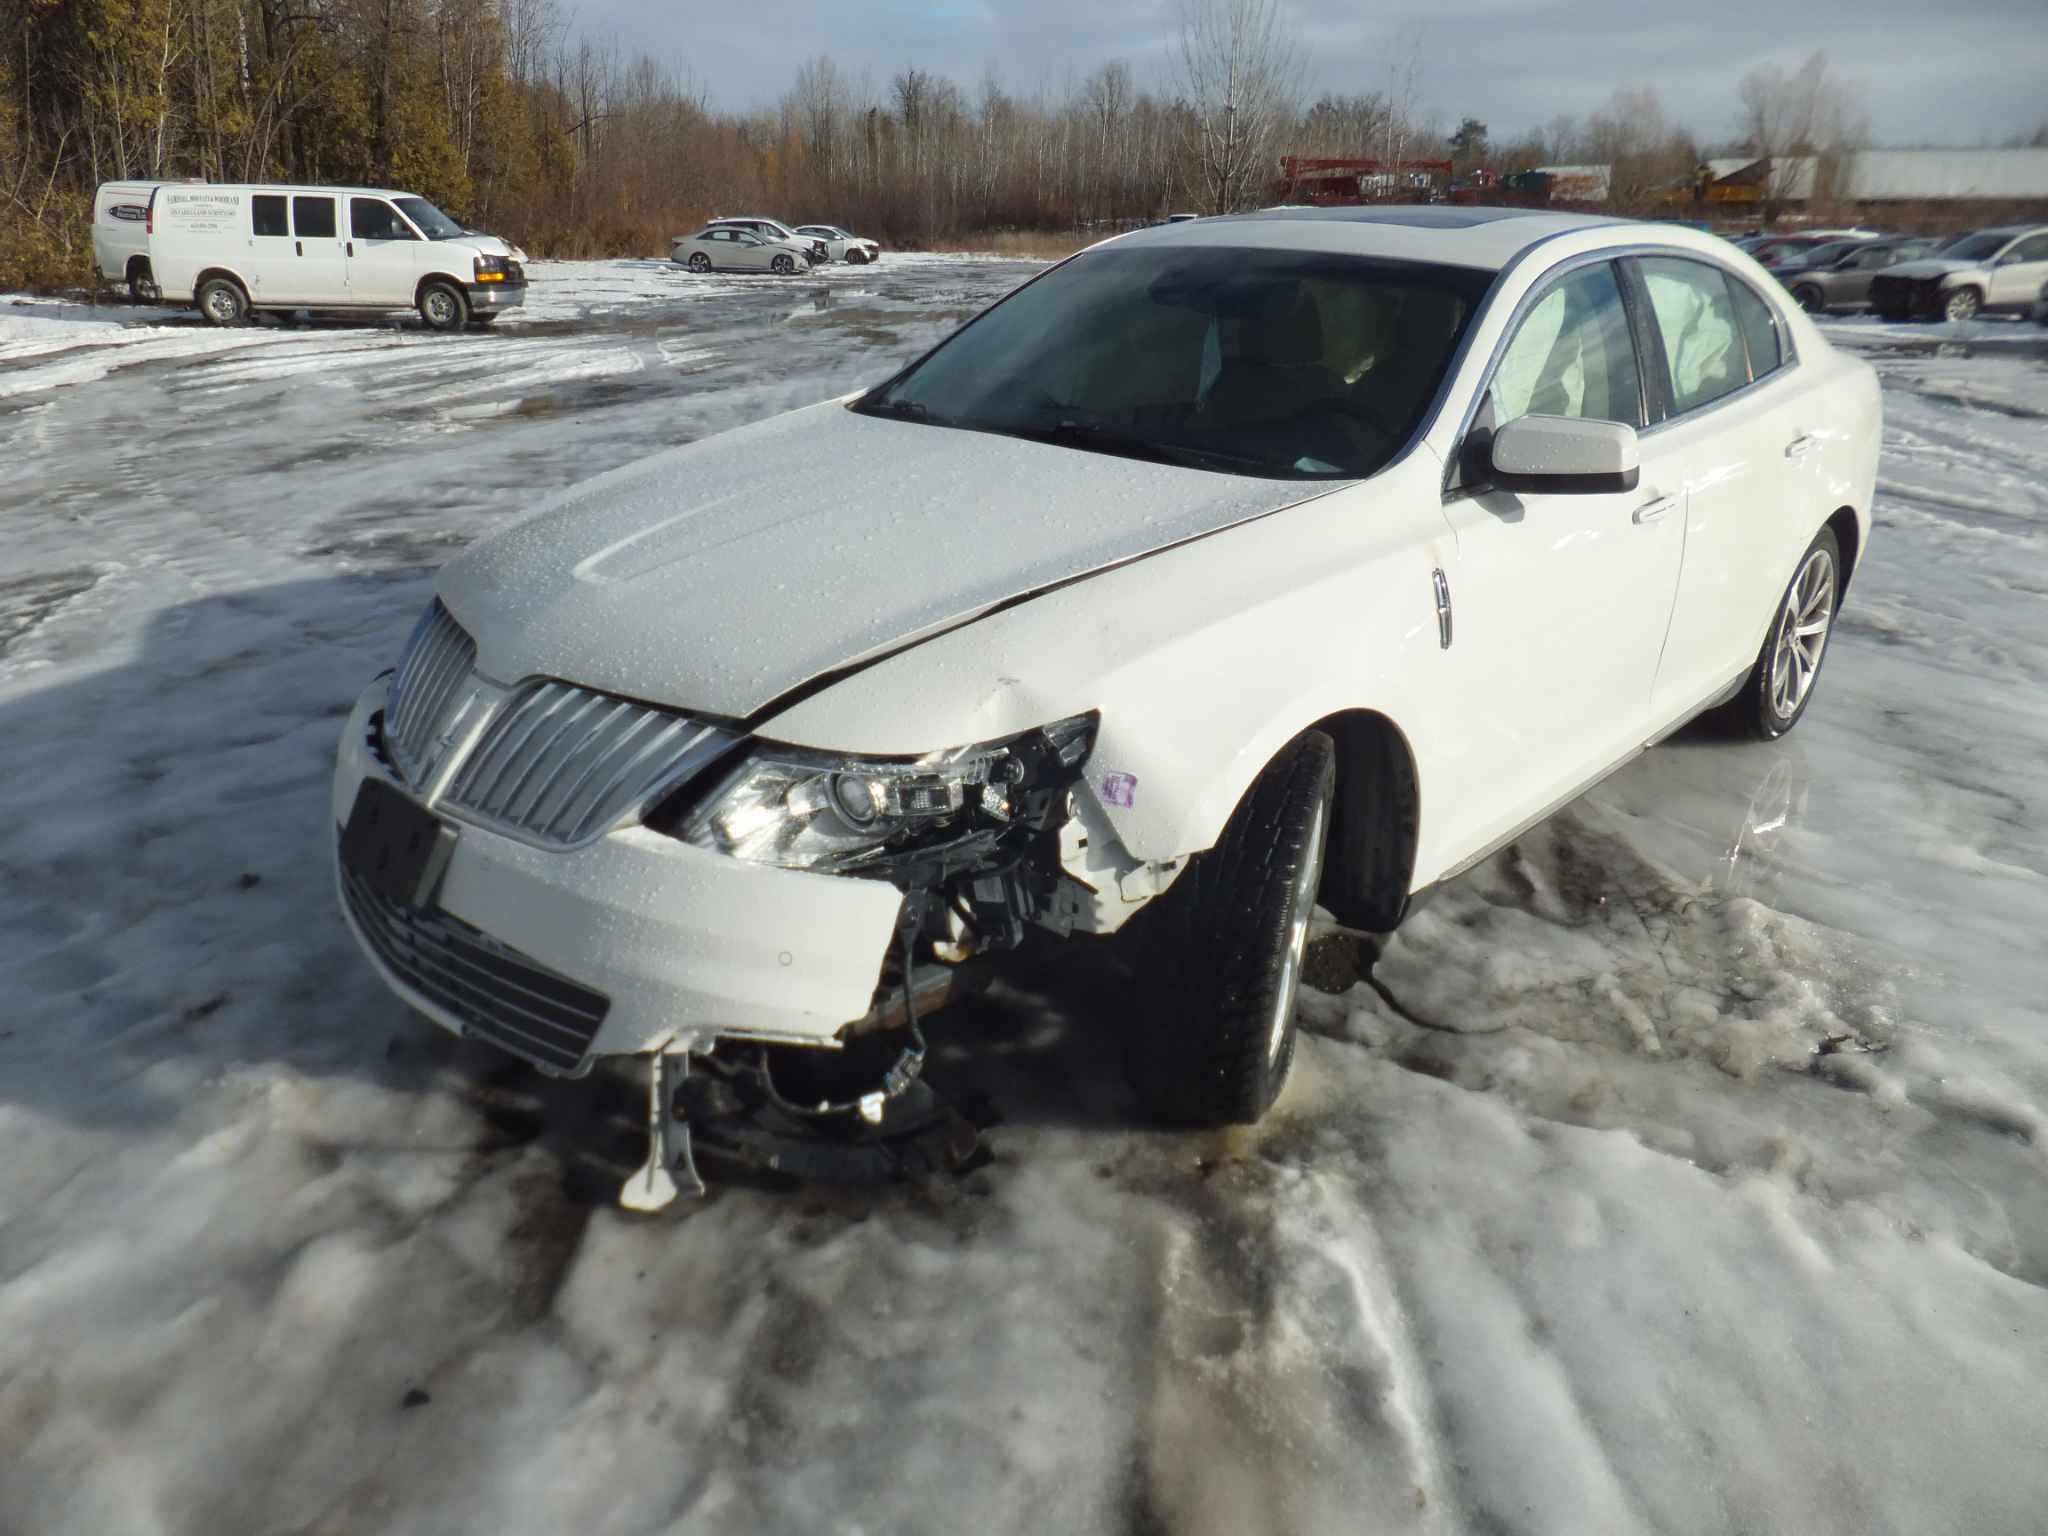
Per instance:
{"type": "Point", "coordinates": [383, 254]}
{"type": "Point", "coordinates": [1742, 439]}
{"type": "Point", "coordinates": [320, 266]}
{"type": "Point", "coordinates": [1558, 602]}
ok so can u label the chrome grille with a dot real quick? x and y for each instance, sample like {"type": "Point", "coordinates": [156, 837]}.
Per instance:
{"type": "Point", "coordinates": [561, 765]}
{"type": "Point", "coordinates": [436, 663]}
{"type": "Point", "coordinates": [491, 989]}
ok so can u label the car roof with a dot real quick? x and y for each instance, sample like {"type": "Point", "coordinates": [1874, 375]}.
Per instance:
{"type": "Point", "coordinates": [1485, 238]}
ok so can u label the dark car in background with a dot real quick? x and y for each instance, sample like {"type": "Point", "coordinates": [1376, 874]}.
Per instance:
{"type": "Point", "coordinates": [1838, 276]}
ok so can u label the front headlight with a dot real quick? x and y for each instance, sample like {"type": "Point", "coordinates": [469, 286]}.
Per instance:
{"type": "Point", "coordinates": [802, 809]}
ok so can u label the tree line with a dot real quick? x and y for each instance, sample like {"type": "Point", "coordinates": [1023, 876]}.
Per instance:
{"type": "Point", "coordinates": [494, 110]}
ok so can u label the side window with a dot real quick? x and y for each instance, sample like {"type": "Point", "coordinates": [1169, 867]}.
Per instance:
{"type": "Point", "coordinates": [1759, 329]}
{"type": "Point", "coordinates": [371, 218]}
{"type": "Point", "coordinates": [2033, 248]}
{"type": "Point", "coordinates": [313, 218]}
{"type": "Point", "coordinates": [1571, 356]}
{"type": "Point", "coordinates": [1696, 319]}
{"type": "Point", "coordinates": [266, 214]}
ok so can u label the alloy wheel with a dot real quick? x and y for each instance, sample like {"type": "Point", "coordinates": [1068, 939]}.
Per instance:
{"type": "Point", "coordinates": [1802, 634]}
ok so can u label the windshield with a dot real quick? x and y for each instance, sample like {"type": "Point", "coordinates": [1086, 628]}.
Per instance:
{"type": "Point", "coordinates": [1975, 247]}
{"type": "Point", "coordinates": [433, 223]}
{"type": "Point", "coordinates": [1296, 364]}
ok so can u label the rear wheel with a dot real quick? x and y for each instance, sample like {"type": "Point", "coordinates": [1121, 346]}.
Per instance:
{"type": "Point", "coordinates": [1216, 1035]}
{"type": "Point", "coordinates": [222, 301]}
{"type": "Point", "coordinates": [1809, 298]}
{"type": "Point", "coordinates": [699, 262]}
{"type": "Point", "coordinates": [443, 307]}
{"type": "Point", "coordinates": [142, 287]}
{"type": "Point", "coordinates": [1963, 304]}
{"type": "Point", "coordinates": [1781, 683]}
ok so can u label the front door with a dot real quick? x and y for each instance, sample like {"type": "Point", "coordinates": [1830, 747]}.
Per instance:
{"type": "Point", "coordinates": [383, 261]}
{"type": "Point", "coordinates": [2020, 275]}
{"type": "Point", "coordinates": [320, 269]}
{"type": "Point", "coordinates": [1558, 602]}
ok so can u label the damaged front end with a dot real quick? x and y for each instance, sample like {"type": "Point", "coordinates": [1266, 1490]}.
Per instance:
{"type": "Point", "coordinates": [978, 839]}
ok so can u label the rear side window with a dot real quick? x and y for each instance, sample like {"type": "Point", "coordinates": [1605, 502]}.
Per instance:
{"type": "Point", "coordinates": [313, 217]}
{"type": "Point", "coordinates": [1696, 320]}
{"type": "Point", "coordinates": [266, 214]}
{"type": "Point", "coordinates": [1759, 329]}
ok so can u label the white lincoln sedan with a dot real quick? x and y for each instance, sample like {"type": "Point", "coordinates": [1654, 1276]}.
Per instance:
{"type": "Point", "coordinates": [1223, 570]}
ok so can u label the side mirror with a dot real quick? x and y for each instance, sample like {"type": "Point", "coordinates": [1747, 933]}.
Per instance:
{"type": "Point", "coordinates": [1565, 455]}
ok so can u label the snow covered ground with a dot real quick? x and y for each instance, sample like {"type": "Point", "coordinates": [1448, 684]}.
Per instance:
{"type": "Point", "coordinates": [1698, 1183]}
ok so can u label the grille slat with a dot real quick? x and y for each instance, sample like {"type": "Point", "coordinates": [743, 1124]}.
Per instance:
{"type": "Point", "coordinates": [493, 990]}
{"type": "Point", "coordinates": [436, 663]}
{"type": "Point", "coordinates": [561, 765]}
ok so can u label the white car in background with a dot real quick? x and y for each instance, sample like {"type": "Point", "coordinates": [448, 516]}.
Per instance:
{"type": "Point", "coordinates": [774, 230]}
{"type": "Point", "coordinates": [1226, 569]}
{"type": "Point", "coordinates": [841, 245]}
{"type": "Point", "coordinates": [724, 248]}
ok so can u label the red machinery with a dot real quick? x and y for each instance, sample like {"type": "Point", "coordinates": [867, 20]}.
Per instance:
{"type": "Point", "coordinates": [1339, 183]}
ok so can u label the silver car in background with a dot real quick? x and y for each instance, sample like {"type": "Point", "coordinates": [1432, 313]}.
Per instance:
{"type": "Point", "coordinates": [720, 247]}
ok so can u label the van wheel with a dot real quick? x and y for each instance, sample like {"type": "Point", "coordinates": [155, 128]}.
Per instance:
{"type": "Point", "coordinates": [142, 287]}
{"type": "Point", "coordinates": [443, 307]}
{"type": "Point", "coordinates": [1216, 1037]}
{"type": "Point", "coordinates": [222, 301]}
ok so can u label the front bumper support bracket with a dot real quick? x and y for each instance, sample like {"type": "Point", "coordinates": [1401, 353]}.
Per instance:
{"type": "Point", "coordinates": [670, 1171]}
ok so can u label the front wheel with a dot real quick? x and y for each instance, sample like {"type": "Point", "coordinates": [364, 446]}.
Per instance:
{"type": "Point", "coordinates": [1216, 1039]}
{"type": "Point", "coordinates": [1781, 683]}
{"type": "Point", "coordinates": [699, 263]}
{"type": "Point", "coordinates": [784, 265]}
{"type": "Point", "coordinates": [1963, 304]}
{"type": "Point", "coordinates": [443, 307]}
{"type": "Point", "coordinates": [222, 301]}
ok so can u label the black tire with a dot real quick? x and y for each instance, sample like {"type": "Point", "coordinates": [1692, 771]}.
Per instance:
{"type": "Point", "coordinates": [1216, 1032]}
{"type": "Point", "coordinates": [1962, 304]}
{"type": "Point", "coordinates": [856, 257]}
{"type": "Point", "coordinates": [1760, 710]}
{"type": "Point", "coordinates": [1810, 299]}
{"type": "Point", "coordinates": [699, 263]}
{"type": "Point", "coordinates": [222, 301]}
{"type": "Point", "coordinates": [783, 265]}
{"type": "Point", "coordinates": [443, 307]}
{"type": "Point", "coordinates": [142, 287]}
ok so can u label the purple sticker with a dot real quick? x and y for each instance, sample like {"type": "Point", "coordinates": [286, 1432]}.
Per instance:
{"type": "Point", "coordinates": [1119, 789]}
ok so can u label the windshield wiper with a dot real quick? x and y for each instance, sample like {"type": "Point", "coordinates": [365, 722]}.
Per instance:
{"type": "Point", "coordinates": [1107, 439]}
{"type": "Point", "coordinates": [905, 410]}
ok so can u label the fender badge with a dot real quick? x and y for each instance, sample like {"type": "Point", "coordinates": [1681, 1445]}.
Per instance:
{"type": "Point", "coordinates": [1119, 789]}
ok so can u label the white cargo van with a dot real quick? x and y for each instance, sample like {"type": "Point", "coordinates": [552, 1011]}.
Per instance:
{"type": "Point", "coordinates": [120, 240]}
{"type": "Point", "coordinates": [234, 251]}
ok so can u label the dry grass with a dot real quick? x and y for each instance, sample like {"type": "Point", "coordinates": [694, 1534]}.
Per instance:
{"type": "Point", "coordinates": [1033, 245]}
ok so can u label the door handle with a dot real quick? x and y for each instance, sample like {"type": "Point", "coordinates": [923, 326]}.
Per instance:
{"type": "Point", "coordinates": [351, 247]}
{"type": "Point", "coordinates": [1650, 511]}
{"type": "Point", "coordinates": [1796, 449]}
{"type": "Point", "coordinates": [299, 246]}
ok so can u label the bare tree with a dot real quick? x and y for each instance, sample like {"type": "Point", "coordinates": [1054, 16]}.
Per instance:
{"type": "Point", "coordinates": [1644, 153]}
{"type": "Point", "coordinates": [1793, 122]}
{"type": "Point", "coordinates": [1404, 86]}
{"type": "Point", "coordinates": [1240, 71]}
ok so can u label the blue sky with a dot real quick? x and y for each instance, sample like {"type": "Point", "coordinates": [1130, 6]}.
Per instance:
{"type": "Point", "coordinates": [1926, 71]}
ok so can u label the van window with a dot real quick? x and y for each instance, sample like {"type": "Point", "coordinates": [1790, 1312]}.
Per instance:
{"type": "Point", "coordinates": [313, 217]}
{"type": "Point", "coordinates": [266, 214]}
{"type": "Point", "coordinates": [371, 218]}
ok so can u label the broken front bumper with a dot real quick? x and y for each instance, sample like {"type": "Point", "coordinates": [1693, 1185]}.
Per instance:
{"type": "Point", "coordinates": [636, 940]}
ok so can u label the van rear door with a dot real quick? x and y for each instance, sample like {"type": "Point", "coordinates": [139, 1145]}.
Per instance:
{"type": "Point", "coordinates": [320, 265]}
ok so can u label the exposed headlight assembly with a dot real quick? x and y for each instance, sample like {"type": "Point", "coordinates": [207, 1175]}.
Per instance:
{"type": "Point", "coordinates": [801, 809]}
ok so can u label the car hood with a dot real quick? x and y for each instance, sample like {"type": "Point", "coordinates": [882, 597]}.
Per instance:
{"type": "Point", "coordinates": [491, 245]}
{"type": "Point", "coordinates": [718, 576]}
{"type": "Point", "coordinates": [1931, 266]}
